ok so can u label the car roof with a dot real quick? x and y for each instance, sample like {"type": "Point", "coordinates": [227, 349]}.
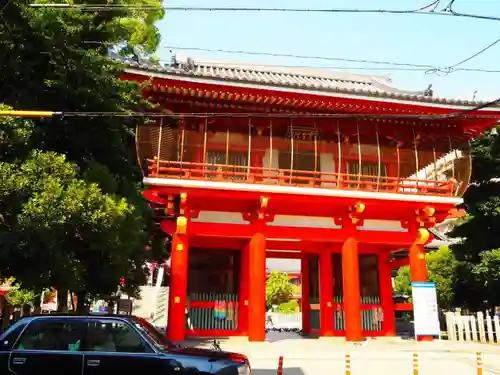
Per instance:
{"type": "Point", "coordinates": [96, 316]}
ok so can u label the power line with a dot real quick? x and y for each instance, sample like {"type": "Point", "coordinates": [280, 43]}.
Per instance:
{"type": "Point", "coordinates": [449, 8]}
{"type": "Point", "coordinates": [405, 66]}
{"type": "Point", "coordinates": [326, 58]}
{"type": "Point", "coordinates": [112, 7]}
{"type": "Point", "coordinates": [476, 54]}
{"type": "Point", "coordinates": [399, 66]}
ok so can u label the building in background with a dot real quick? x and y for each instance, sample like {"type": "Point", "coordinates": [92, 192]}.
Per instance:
{"type": "Point", "coordinates": [340, 171]}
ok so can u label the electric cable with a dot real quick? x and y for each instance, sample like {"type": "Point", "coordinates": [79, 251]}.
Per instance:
{"type": "Point", "coordinates": [113, 7]}
{"type": "Point", "coordinates": [400, 66]}
{"type": "Point", "coordinates": [449, 9]}
{"type": "Point", "coordinates": [414, 67]}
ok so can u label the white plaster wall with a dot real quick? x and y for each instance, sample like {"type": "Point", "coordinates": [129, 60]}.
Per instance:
{"type": "Point", "coordinates": [327, 164]}
{"type": "Point", "coordinates": [385, 225]}
{"type": "Point", "coordinates": [279, 220]}
{"type": "Point", "coordinates": [303, 221]}
{"type": "Point", "coordinates": [219, 217]}
{"type": "Point", "coordinates": [296, 221]}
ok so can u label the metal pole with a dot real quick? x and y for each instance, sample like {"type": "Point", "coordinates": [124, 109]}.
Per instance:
{"type": "Point", "coordinates": [347, 364]}
{"type": "Point", "coordinates": [415, 363]}
{"type": "Point", "coordinates": [455, 152]}
{"type": "Point", "coordinates": [435, 159]}
{"type": "Point", "coordinates": [181, 158]}
{"type": "Point", "coordinates": [205, 143]}
{"type": "Point", "coordinates": [270, 144]}
{"type": "Point", "coordinates": [398, 156]}
{"type": "Point", "coordinates": [292, 147]}
{"type": "Point", "coordinates": [227, 146]}
{"type": "Point", "coordinates": [416, 156]}
{"type": "Point", "coordinates": [379, 157]}
{"type": "Point", "coordinates": [359, 154]}
{"type": "Point", "coordinates": [249, 146]}
{"type": "Point", "coordinates": [158, 153]}
{"type": "Point", "coordinates": [339, 178]}
{"type": "Point", "coordinates": [315, 149]}
{"type": "Point", "coordinates": [479, 363]}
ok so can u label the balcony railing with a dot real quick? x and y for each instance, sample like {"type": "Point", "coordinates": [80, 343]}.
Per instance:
{"type": "Point", "coordinates": [286, 177]}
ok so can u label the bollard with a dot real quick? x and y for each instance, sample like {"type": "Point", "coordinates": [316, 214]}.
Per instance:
{"type": "Point", "coordinates": [347, 364]}
{"type": "Point", "coordinates": [479, 363]}
{"type": "Point", "coordinates": [415, 363]}
{"type": "Point", "coordinates": [280, 366]}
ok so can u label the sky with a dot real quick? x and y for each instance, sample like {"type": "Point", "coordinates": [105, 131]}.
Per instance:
{"type": "Point", "coordinates": [416, 39]}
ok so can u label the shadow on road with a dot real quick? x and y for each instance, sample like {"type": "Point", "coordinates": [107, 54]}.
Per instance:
{"type": "Point", "coordinates": [288, 371]}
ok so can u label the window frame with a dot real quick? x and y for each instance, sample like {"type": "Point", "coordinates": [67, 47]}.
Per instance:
{"type": "Point", "coordinates": [150, 348]}
{"type": "Point", "coordinates": [21, 323]}
{"type": "Point", "coordinates": [45, 320]}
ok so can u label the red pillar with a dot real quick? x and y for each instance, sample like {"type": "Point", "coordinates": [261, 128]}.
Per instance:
{"type": "Point", "coordinates": [326, 293]}
{"type": "Point", "coordinates": [418, 267]}
{"type": "Point", "coordinates": [305, 295]}
{"type": "Point", "coordinates": [178, 288]}
{"type": "Point", "coordinates": [257, 288]}
{"type": "Point", "coordinates": [244, 289]}
{"type": "Point", "coordinates": [385, 287]}
{"type": "Point", "coordinates": [352, 298]}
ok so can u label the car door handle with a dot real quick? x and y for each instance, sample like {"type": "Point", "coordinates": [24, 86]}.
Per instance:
{"type": "Point", "coordinates": [93, 362]}
{"type": "Point", "coordinates": [18, 361]}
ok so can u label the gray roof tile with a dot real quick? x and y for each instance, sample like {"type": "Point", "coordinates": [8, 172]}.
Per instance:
{"type": "Point", "coordinates": [321, 80]}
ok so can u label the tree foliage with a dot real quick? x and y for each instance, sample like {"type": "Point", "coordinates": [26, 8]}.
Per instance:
{"type": "Point", "coordinates": [71, 215]}
{"type": "Point", "coordinates": [442, 268]}
{"type": "Point", "coordinates": [278, 289]}
{"type": "Point", "coordinates": [478, 248]}
{"type": "Point", "coordinates": [58, 230]}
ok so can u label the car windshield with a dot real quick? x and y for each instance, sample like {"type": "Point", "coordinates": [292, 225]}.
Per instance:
{"type": "Point", "coordinates": [152, 332]}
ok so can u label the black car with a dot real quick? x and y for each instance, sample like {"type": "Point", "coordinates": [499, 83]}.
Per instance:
{"type": "Point", "coordinates": [104, 344]}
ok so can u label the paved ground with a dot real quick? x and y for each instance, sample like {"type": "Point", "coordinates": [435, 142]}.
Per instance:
{"type": "Point", "coordinates": [308, 356]}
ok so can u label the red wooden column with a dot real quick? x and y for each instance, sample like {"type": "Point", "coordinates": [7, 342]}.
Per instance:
{"type": "Point", "coordinates": [326, 293]}
{"type": "Point", "coordinates": [305, 293]}
{"type": "Point", "coordinates": [418, 267]}
{"type": "Point", "coordinates": [178, 288]}
{"type": "Point", "coordinates": [244, 290]}
{"type": "Point", "coordinates": [257, 288]}
{"type": "Point", "coordinates": [385, 288]}
{"type": "Point", "coordinates": [352, 298]}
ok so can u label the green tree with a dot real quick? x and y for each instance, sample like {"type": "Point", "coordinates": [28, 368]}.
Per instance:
{"type": "Point", "coordinates": [402, 281]}
{"type": "Point", "coordinates": [59, 230]}
{"type": "Point", "coordinates": [442, 268]}
{"type": "Point", "coordinates": [278, 289]}
{"type": "Point", "coordinates": [59, 60]}
{"type": "Point", "coordinates": [479, 243]}
{"type": "Point", "coordinates": [81, 216]}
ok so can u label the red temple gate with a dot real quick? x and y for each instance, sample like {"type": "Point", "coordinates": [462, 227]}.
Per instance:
{"type": "Point", "coordinates": [310, 168]}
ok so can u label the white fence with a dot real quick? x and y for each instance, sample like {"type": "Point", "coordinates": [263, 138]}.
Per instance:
{"type": "Point", "coordinates": [286, 320]}
{"type": "Point", "coordinates": [473, 328]}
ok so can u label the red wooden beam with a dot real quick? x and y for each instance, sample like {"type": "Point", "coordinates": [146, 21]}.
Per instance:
{"type": "Point", "coordinates": [292, 234]}
{"type": "Point", "coordinates": [398, 263]}
{"type": "Point", "coordinates": [282, 255]}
